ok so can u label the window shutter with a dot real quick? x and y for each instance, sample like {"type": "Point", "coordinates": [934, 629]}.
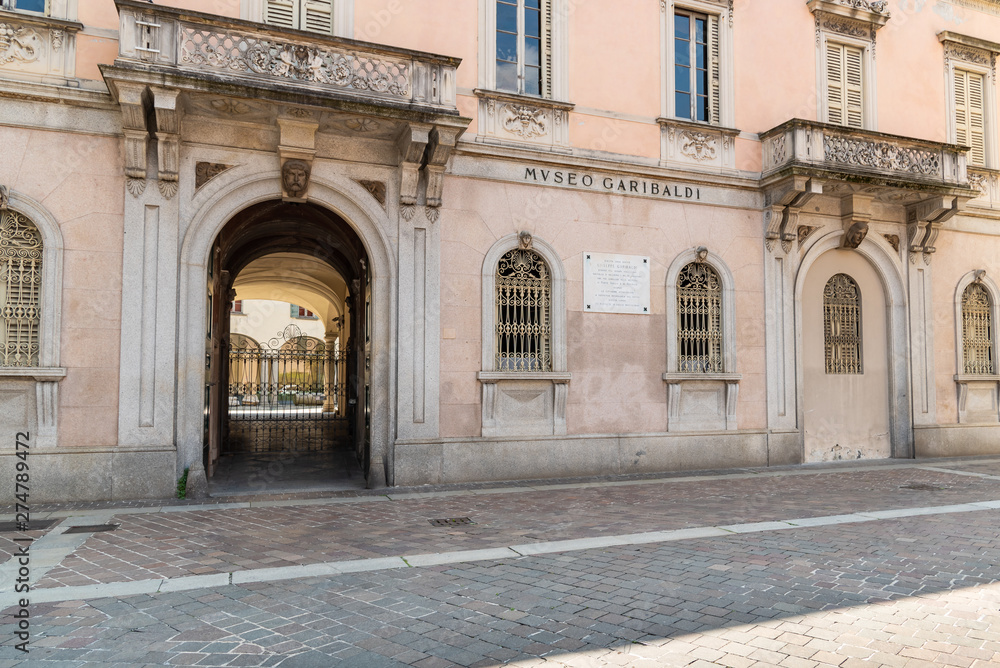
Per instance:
{"type": "Point", "coordinates": [961, 107]}
{"type": "Point", "coordinates": [854, 87]}
{"type": "Point", "coordinates": [282, 13]}
{"type": "Point", "coordinates": [547, 48]}
{"type": "Point", "coordinates": [977, 130]}
{"type": "Point", "coordinates": [714, 73]}
{"type": "Point", "coordinates": [835, 83]}
{"type": "Point", "coordinates": [318, 16]}
{"type": "Point", "coordinates": [293, 310]}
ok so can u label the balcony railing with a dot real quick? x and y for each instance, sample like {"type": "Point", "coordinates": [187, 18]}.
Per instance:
{"type": "Point", "coordinates": [862, 154]}
{"type": "Point", "coordinates": [218, 48]}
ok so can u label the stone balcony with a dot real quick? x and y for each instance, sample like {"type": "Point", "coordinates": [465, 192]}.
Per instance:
{"type": "Point", "coordinates": [808, 148]}
{"type": "Point", "coordinates": [187, 49]}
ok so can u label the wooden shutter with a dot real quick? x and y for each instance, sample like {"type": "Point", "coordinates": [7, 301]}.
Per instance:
{"type": "Point", "coordinates": [854, 86]}
{"type": "Point", "coordinates": [845, 100]}
{"type": "Point", "coordinates": [546, 48]}
{"type": "Point", "coordinates": [970, 128]}
{"type": "Point", "coordinates": [835, 83]}
{"type": "Point", "coordinates": [318, 16]}
{"type": "Point", "coordinates": [714, 72]}
{"type": "Point", "coordinates": [282, 13]}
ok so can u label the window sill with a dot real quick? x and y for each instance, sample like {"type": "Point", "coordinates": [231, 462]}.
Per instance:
{"type": "Point", "coordinates": [685, 143]}
{"type": "Point", "coordinates": [40, 20]}
{"type": "Point", "coordinates": [39, 373]}
{"type": "Point", "coordinates": [677, 377]}
{"type": "Point", "coordinates": [977, 377]}
{"type": "Point", "coordinates": [553, 376]}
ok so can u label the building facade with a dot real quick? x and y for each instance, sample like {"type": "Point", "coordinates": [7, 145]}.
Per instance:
{"type": "Point", "coordinates": [552, 237]}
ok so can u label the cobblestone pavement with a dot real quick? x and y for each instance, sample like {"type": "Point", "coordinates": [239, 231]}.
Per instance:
{"type": "Point", "coordinates": [894, 566]}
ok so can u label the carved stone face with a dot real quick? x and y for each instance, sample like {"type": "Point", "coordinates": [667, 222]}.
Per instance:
{"type": "Point", "coordinates": [295, 177]}
{"type": "Point", "coordinates": [855, 235]}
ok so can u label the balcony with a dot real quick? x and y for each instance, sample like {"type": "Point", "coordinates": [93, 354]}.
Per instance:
{"type": "Point", "coordinates": [193, 50]}
{"type": "Point", "coordinates": [807, 148]}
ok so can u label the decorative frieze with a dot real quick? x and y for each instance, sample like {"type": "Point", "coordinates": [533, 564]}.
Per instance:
{"type": "Point", "coordinates": [523, 119]}
{"type": "Point", "coordinates": [881, 155]}
{"type": "Point", "coordinates": [683, 143]}
{"type": "Point", "coordinates": [19, 43]}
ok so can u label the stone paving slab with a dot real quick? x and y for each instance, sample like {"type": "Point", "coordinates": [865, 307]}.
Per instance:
{"type": "Point", "coordinates": [918, 591]}
{"type": "Point", "coordinates": [223, 540]}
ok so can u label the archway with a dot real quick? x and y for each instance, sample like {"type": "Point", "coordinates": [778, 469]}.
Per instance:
{"type": "Point", "coordinates": [853, 402]}
{"type": "Point", "coordinates": [283, 398]}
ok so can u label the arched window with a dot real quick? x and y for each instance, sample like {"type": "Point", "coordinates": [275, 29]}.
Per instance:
{"type": "Point", "coordinates": [842, 325]}
{"type": "Point", "coordinates": [977, 331]}
{"type": "Point", "coordinates": [523, 321]}
{"type": "Point", "coordinates": [20, 290]}
{"type": "Point", "coordinates": [699, 320]}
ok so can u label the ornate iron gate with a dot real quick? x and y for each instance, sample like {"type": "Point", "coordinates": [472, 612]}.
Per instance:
{"type": "Point", "coordinates": [286, 395]}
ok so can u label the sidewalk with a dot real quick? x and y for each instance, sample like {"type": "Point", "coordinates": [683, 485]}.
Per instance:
{"type": "Point", "coordinates": [162, 550]}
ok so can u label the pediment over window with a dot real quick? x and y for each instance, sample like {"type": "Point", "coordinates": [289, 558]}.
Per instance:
{"type": "Point", "coordinates": [872, 12]}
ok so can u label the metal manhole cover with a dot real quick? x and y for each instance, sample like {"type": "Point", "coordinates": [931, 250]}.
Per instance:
{"type": "Point", "coordinates": [33, 525]}
{"type": "Point", "coordinates": [91, 528]}
{"type": "Point", "coordinates": [450, 522]}
{"type": "Point", "coordinates": [921, 486]}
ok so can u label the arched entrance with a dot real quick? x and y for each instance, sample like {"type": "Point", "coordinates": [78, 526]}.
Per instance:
{"type": "Point", "coordinates": [851, 353]}
{"type": "Point", "coordinates": [846, 398]}
{"type": "Point", "coordinates": [285, 401]}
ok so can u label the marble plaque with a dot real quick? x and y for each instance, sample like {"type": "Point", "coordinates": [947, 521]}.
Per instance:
{"type": "Point", "coordinates": [615, 283]}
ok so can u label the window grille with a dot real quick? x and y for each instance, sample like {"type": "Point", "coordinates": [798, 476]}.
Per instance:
{"type": "Point", "coordinates": [699, 319]}
{"type": "Point", "coordinates": [977, 331]}
{"type": "Point", "coordinates": [524, 319]}
{"type": "Point", "coordinates": [20, 290]}
{"type": "Point", "coordinates": [842, 325]}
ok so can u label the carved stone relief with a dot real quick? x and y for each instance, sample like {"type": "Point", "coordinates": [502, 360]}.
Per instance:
{"type": "Point", "coordinates": [855, 234]}
{"type": "Point", "coordinates": [880, 155]}
{"type": "Point", "coordinates": [20, 44]}
{"type": "Point", "coordinates": [377, 190]}
{"type": "Point", "coordinates": [804, 231]}
{"type": "Point", "coordinates": [893, 240]}
{"type": "Point", "coordinates": [285, 60]}
{"type": "Point", "coordinates": [505, 117]}
{"type": "Point", "coordinates": [205, 171]}
{"type": "Point", "coordinates": [524, 121]}
{"type": "Point", "coordinates": [295, 178]}
{"type": "Point", "coordinates": [698, 145]}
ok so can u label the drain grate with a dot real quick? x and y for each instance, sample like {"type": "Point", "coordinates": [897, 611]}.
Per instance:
{"type": "Point", "coordinates": [921, 486]}
{"type": "Point", "coordinates": [33, 525]}
{"type": "Point", "coordinates": [92, 528]}
{"type": "Point", "coordinates": [450, 522]}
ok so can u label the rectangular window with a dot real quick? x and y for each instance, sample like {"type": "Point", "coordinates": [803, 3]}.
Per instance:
{"type": "Point", "coordinates": [523, 46]}
{"type": "Point", "coordinates": [300, 312]}
{"type": "Point", "coordinates": [970, 112]}
{"type": "Point", "coordinates": [237, 306]}
{"type": "Point", "coordinates": [24, 5]}
{"type": "Point", "coordinates": [691, 65]}
{"type": "Point", "coordinates": [311, 15]}
{"type": "Point", "coordinates": [845, 103]}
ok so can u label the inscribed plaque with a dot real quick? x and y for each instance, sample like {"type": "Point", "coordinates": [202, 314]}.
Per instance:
{"type": "Point", "coordinates": [615, 283]}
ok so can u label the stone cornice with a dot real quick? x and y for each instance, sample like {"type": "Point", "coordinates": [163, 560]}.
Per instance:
{"type": "Point", "coordinates": [873, 12]}
{"type": "Point", "coordinates": [529, 100]}
{"type": "Point", "coordinates": [946, 36]}
{"type": "Point", "coordinates": [46, 22]}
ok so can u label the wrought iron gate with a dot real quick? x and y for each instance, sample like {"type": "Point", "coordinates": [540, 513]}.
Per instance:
{"type": "Point", "coordinates": [286, 395]}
